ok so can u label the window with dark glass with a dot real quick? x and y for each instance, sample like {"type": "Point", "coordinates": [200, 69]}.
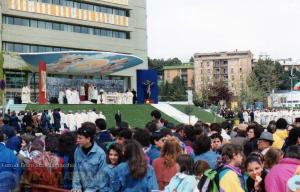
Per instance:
{"type": "Point", "coordinates": [77, 29]}
{"type": "Point", "coordinates": [90, 7]}
{"type": "Point", "coordinates": [33, 48]}
{"type": "Point", "coordinates": [18, 48]}
{"type": "Point", "coordinates": [56, 26]}
{"type": "Point", "coordinates": [33, 23]}
{"type": "Point", "coordinates": [84, 30]}
{"type": "Point", "coordinates": [56, 49]}
{"type": "Point", "coordinates": [42, 24]}
{"type": "Point", "coordinates": [83, 6]}
{"type": "Point", "coordinates": [26, 49]}
{"type": "Point", "coordinates": [63, 2]}
{"type": "Point", "coordinates": [48, 25]}
{"type": "Point", "coordinates": [65, 27]}
{"type": "Point", "coordinates": [56, 2]}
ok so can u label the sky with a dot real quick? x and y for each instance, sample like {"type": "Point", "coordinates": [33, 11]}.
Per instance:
{"type": "Point", "coordinates": [180, 28]}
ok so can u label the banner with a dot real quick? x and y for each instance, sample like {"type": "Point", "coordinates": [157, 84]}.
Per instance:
{"type": "Point", "coordinates": [42, 83]}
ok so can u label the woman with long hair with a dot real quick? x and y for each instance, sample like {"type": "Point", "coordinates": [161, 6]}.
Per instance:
{"type": "Point", "coordinates": [165, 166]}
{"type": "Point", "coordinates": [184, 180]}
{"type": "Point", "coordinates": [256, 180]}
{"type": "Point", "coordinates": [134, 174]}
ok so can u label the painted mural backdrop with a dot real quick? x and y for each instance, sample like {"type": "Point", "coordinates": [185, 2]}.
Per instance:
{"type": "Point", "coordinates": [82, 62]}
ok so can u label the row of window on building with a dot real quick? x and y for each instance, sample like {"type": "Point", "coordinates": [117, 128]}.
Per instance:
{"type": "Point", "coordinates": [65, 27]}
{"type": "Point", "coordinates": [29, 48]}
{"type": "Point", "coordinates": [87, 6]}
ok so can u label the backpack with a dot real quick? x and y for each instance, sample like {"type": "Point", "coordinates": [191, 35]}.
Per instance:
{"type": "Point", "coordinates": [209, 182]}
{"type": "Point", "coordinates": [293, 183]}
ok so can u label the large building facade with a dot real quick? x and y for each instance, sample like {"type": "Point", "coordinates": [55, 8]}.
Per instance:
{"type": "Point", "coordinates": [117, 26]}
{"type": "Point", "coordinates": [233, 68]}
{"type": "Point", "coordinates": [185, 72]}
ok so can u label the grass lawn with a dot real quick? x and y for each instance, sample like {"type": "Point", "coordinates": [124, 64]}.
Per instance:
{"type": "Point", "coordinates": [200, 114]}
{"type": "Point", "coordinates": [135, 115]}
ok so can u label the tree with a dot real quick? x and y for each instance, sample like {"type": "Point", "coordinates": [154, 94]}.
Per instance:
{"type": "Point", "coordinates": [267, 76]}
{"type": "Point", "coordinates": [217, 92]}
{"type": "Point", "coordinates": [178, 91]}
{"type": "Point", "coordinates": [175, 91]}
{"type": "Point", "coordinates": [158, 64]}
{"type": "Point", "coordinates": [191, 60]}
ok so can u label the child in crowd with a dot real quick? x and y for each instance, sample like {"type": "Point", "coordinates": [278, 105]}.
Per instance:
{"type": "Point", "coordinates": [114, 155]}
{"type": "Point", "coordinates": [231, 178]}
{"type": "Point", "coordinates": [257, 174]}
{"type": "Point", "coordinates": [184, 180]}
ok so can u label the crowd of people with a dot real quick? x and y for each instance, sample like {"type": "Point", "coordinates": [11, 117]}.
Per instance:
{"type": "Point", "coordinates": [263, 117]}
{"type": "Point", "coordinates": [158, 157]}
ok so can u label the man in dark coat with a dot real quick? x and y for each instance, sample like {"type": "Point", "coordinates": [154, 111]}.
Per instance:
{"type": "Point", "coordinates": [56, 118]}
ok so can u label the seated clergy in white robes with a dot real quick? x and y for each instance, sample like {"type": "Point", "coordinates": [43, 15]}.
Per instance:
{"type": "Point", "coordinates": [123, 98]}
{"type": "Point", "coordinates": [104, 97]}
{"type": "Point", "coordinates": [119, 98]}
{"type": "Point", "coordinates": [78, 120]}
{"type": "Point", "coordinates": [84, 116]}
{"type": "Point", "coordinates": [69, 96]}
{"type": "Point", "coordinates": [92, 116]}
{"type": "Point", "coordinates": [71, 121]}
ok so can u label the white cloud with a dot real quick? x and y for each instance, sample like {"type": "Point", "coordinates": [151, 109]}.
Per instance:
{"type": "Point", "coordinates": [180, 28]}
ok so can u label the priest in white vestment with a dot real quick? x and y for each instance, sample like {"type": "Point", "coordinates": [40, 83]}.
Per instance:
{"type": "Point", "coordinates": [246, 116]}
{"type": "Point", "coordinates": [71, 121]}
{"type": "Point", "coordinates": [92, 116]}
{"type": "Point", "coordinates": [90, 92]}
{"type": "Point", "coordinates": [61, 95]}
{"type": "Point", "coordinates": [25, 97]}
{"type": "Point", "coordinates": [69, 96]}
{"type": "Point", "coordinates": [129, 97]}
{"type": "Point", "coordinates": [78, 120]}
{"type": "Point", "coordinates": [75, 97]}
{"type": "Point", "coordinates": [84, 116]}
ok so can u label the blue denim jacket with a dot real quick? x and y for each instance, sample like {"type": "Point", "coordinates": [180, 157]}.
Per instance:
{"type": "Point", "coordinates": [89, 174]}
{"type": "Point", "coordinates": [123, 181]}
{"type": "Point", "coordinates": [182, 182]}
{"type": "Point", "coordinates": [9, 169]}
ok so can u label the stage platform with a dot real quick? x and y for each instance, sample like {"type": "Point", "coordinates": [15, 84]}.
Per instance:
{"type": "Point", "coordinates": [137, 115]}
